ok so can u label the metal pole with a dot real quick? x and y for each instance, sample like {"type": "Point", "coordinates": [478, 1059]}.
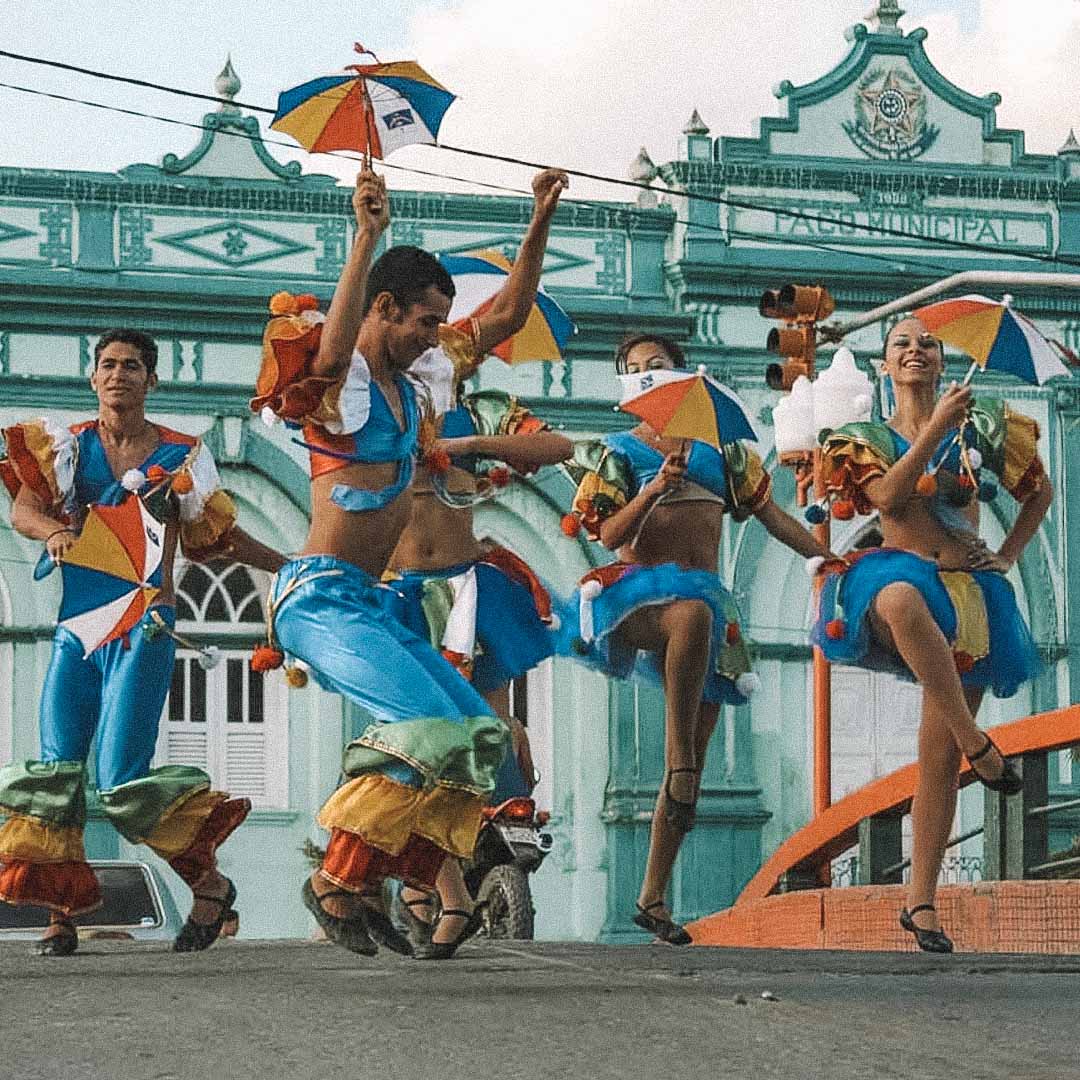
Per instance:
{"type": "Point", "coordinates": [822, 684]}
{"type": "Point", "coordinates": [967, 278]}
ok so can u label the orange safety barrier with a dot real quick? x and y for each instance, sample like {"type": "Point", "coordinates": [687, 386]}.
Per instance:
{"type": "Point", "coordinates": [837, 829]}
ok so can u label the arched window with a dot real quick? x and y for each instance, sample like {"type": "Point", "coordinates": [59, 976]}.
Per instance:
{"type": "Point", "coordinates": [229, 720]}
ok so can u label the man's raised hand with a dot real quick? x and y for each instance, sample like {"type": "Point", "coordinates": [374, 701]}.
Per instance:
{"type": "Point", "coordinates": [547, 187]}
{"type": "Point", "coordinates": [371, 203]}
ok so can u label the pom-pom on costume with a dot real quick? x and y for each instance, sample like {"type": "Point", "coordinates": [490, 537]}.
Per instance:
{"type": "Point", "coordinates": [115, 689]}
{"type": "Point", "coordinates": [418, 776]}
{"type": "Point", "coordinates": [609, 473]}
{"type": "Point", "coordinates": [975, 610]}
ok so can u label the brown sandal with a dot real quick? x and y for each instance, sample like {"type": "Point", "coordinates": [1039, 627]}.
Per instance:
{"type": "Point", "coordinates": [63, 943]}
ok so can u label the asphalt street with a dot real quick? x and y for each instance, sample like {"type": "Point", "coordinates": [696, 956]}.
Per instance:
{"type": "Point", "coordinates": [269, 1010]}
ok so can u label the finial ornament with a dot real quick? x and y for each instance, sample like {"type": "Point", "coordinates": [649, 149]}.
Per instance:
{"type": "Point", "coordinates": [887, 15]}
{"type": "Point", "coordinates": [695, 125]}
{"type": "Point", "coordinates": [1071, 146]}
{"type": "Point", "coordinates": [227, 85]}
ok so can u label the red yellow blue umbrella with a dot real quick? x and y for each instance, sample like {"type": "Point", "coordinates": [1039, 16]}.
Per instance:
{"type": "Point", "coordinates": [378, 109]}
{"type": "Point", "coordinates": [478, 277]}
{"type": "Point", "coordinates": [112, 573]}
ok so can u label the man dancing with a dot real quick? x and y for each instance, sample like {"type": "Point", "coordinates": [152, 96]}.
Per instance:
{"type": "Point", "coordinates": [479, 604]}
{"type": "Point", "coordinates": [117, 691]}
{"type": "Point", "coordinates": [933, 604]}
{"type": "Point", "coordinates": [418, 776]}
{"type": "Point", "coordinates": [659, 611]}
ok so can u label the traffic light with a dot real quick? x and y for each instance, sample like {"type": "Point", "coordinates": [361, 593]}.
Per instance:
{"type": "Point", "coordinates": [800, 307]}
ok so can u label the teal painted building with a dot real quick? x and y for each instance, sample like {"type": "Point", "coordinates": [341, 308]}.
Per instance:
{"type": "Point", "coordinates": [873, 175]}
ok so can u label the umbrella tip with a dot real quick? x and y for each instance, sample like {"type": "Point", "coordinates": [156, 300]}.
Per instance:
{"type": "Point", "coordinates": [702, 369]}
{"type": "Point", "coordinates": [1007, 299]}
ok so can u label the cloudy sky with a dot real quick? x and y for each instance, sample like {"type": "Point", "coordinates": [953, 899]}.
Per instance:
{"type": "Point", "coordinates": [580, 83]}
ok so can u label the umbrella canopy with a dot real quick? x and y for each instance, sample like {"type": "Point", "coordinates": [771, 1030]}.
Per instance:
{"type": "Point", "coordinates": [379, 109]}
{"type": "Point", "coordinates": [478, 277]}
{"type": "Point", "coordinates": [994, 335]}
{"type": "Point", "coordinates": [112, 573]}
{"type": "Point", "coordinates": [686, 405]}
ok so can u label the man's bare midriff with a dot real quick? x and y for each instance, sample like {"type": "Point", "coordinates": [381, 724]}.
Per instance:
{"type": "Point", "coordinates": [915, 529]}
{"type": "Point", "coordinates": [365, 539]}
{"type": "Point", "coordinates": [437, 535]}
{"type": "Point", "coordinates": [686, 533]}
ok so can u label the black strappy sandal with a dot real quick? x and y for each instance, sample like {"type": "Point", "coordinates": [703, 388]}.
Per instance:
{"type": "Point", "coordinates": [419, 929]}
{"type": "Point", "coordinates": [681, 816]}
{"type": "Point", "coordinates": [664, 929]}
{"type": "Point", "coordinates": [381, 927]}
{"type": "Point", "coordinates": [935, 941]}
{"type": "Point", "coordinates": [63, 943]}
{"type": "Point", "coordinates": [193, 936]}
{"type": "Point", "coordinates": [443, 950]}
{"type": "Point", "coordinates": [1008, 783]}
{"type": "Point", "coordinates": [350, 933]}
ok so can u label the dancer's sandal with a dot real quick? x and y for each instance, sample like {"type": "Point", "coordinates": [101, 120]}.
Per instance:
{"type": "Point", "coordinates": [195, 936]}
{"type": "Point", "coordinates": [381, 927]}
{"type": "Point", "coordinates": [680, 815]}
{"type": "Point", "coordinates": [443, 950]}
{"type": "Point", "coordinates": [1008, 783]}
{"type": "Point", "coordinates": [661, 927]}
{"type": "Point", "coordinates": [62, 943]}
{"type": "Point", "coordinates": [351, 932]}
{"type": "Point", "coordinates": [935, 941]}
{"type": "Point", "coordinates": [419, 929]}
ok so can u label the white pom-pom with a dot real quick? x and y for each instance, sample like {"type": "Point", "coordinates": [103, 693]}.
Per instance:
{"type": "Point", "coordinates": [813, 565]}
{"type": "Point", "coordinates": [209, 657]}
{"type": "Point", "coordinates": [974, 458]}
{"type": "Point", "coordinates": [748, 684]}
{"type": "Point", "coordinates": [133, 480]}
{"type": "Point", "coordinates": [312, 318]}
{"type": "Point", "coordinates": [303, 665]}
{"type": "Point", "coordinates": [702, 369]}
{"type": "Point", "coordinates": [555, 622]}
{"type": "Point", "coordinates": [591, 590]}
{"type": "Point", "coordinates": [268, 416]}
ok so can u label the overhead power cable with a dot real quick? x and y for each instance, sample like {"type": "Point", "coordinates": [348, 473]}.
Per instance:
{"type": "Point", "coordinates": [721, 200]}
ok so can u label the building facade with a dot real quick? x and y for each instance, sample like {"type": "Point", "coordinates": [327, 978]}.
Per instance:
{"type": "Point", "coordinates": [877, 171]}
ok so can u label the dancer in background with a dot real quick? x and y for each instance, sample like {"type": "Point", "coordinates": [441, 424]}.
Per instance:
{"type": "Point", "coordinates": [660, 611]}
{"type": "Point", "coordinates": [117, 690]}
{"type": "Point", "coordinates": [933, 604]}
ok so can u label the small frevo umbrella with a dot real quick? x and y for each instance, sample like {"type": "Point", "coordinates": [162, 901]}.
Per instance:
{"type": "Point", "coordinates": [995, 335]}
{"type": "Point", "coordinates": [112, 573]}
{"type": "Point", "coordinates": [376, 110]}
{"type": "Point", "coordinates": [478, 277]}
{"type": "Point", "coordinates": [686, 405]}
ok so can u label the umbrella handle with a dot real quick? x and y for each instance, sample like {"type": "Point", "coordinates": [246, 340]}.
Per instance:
{"type": "Point", "coordinates": [970, 373]}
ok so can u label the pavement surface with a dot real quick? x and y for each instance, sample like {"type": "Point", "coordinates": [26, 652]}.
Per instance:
{"type": "Point", "coordinates": [298, 1010]}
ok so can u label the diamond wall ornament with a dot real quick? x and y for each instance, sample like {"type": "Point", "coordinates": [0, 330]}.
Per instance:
{"type": "Point", "coordinates": [233, 243]}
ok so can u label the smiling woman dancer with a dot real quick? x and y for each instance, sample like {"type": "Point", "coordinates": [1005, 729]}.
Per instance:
{"type": "Point", "coordinates": [662, 510]}
{"type": "Point", "coordinates": [933, 604]}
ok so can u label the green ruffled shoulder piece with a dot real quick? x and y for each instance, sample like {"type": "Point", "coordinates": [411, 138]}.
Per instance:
{"type": "Point", "coordinates": [988, 420]}
{"type": "Point", "coordinates": [490, 410]}
{"type": "Point", "coordinates": [749, 485]}
{"type": "Point", "coordinates": [869, 435]}
{"type": "Point", "coordinates": [595, 456]}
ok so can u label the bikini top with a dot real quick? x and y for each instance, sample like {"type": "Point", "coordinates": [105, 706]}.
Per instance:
{"type": "Point", "coordinates": [706, 472]}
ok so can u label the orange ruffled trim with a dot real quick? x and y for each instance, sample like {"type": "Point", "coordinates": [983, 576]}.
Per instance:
{"type": "Point", "coordinates": [23, 466]}
{"type": "Point", "coordinates": [516, 569]}
{"type": "Point", "coordinates": [354, 864]}
{"type": "Point", "coordinates": [67, 887]}
{"type": "Point", "coordinates": [193, 863]}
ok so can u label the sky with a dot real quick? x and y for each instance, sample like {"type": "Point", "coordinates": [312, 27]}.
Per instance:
{"type": "Point", "coordinates": [577, 83]}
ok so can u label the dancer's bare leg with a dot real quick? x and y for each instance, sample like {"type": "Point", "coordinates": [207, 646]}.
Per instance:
{"type": "Point", "coordinates": [453, 894]}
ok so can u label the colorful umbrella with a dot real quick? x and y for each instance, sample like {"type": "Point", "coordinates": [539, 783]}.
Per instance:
{"type": "Point", "coordinates": [687, 405]}
{"type": "Point", "coordinates": [381, 108]}
{"type": "Point", "coordinates": [112, 573]}
{"type": "Point", "coordinates": [994, 335]}
{"type": "Point", "coordinates": [478, 277]}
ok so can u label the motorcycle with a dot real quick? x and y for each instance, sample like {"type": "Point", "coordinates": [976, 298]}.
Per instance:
{"type": "Point", "coordinates": [511, 845]}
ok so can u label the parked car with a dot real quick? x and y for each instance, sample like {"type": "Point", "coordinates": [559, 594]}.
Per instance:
{"type": "Point", "coordinates": [136, 906]}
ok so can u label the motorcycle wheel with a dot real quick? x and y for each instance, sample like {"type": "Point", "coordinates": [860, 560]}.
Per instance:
{"type": "Point", "coordinates": [509, 913]}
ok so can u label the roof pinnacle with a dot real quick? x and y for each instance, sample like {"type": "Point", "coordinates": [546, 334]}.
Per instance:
{"type": "Point", "coordinates": [887, 14]}
{"type": "Point", "coordinates": [227, 85]}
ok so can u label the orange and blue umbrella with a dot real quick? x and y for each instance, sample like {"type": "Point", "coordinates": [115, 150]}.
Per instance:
{"type": "Point", "coordinates": [478, 277]}
{"type": "Point", "coordinates": [995, 335]}
{"type": "Point", "coordinates": [686, 405]}
{"type": "Point", "coordinates": [112, 573]}
{"type": "Point", "coordinates": [376, 110]}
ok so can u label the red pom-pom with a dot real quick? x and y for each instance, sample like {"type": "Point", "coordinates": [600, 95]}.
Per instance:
{"type": "Point", "coordinates": [843, 510]}
{"type": "Point", "coordinates": [307, 302]}
{"type": "Point", "coordinates": [835, 629]}
{"type": "Point", "coordinates": [437, 460]}
{"type": "Point", "coordinates": [155, 474]}
{"type": "Point", "coordinates": [926, 485]}
{"type": "Point", "coordinates": [964, 662]}
{"type": "Point", "coordinates": [266, 658]}
{"type": "Point", "coordinates": [733, 634]}
{"type": "Point", "coordinates": [499, 476]}
{"type": "Point", "coordinates": [182, 483]}
{"type": "Point", "coordinates": [966, 481]}
{"type": "Point", "coordinates": [570, 525]}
